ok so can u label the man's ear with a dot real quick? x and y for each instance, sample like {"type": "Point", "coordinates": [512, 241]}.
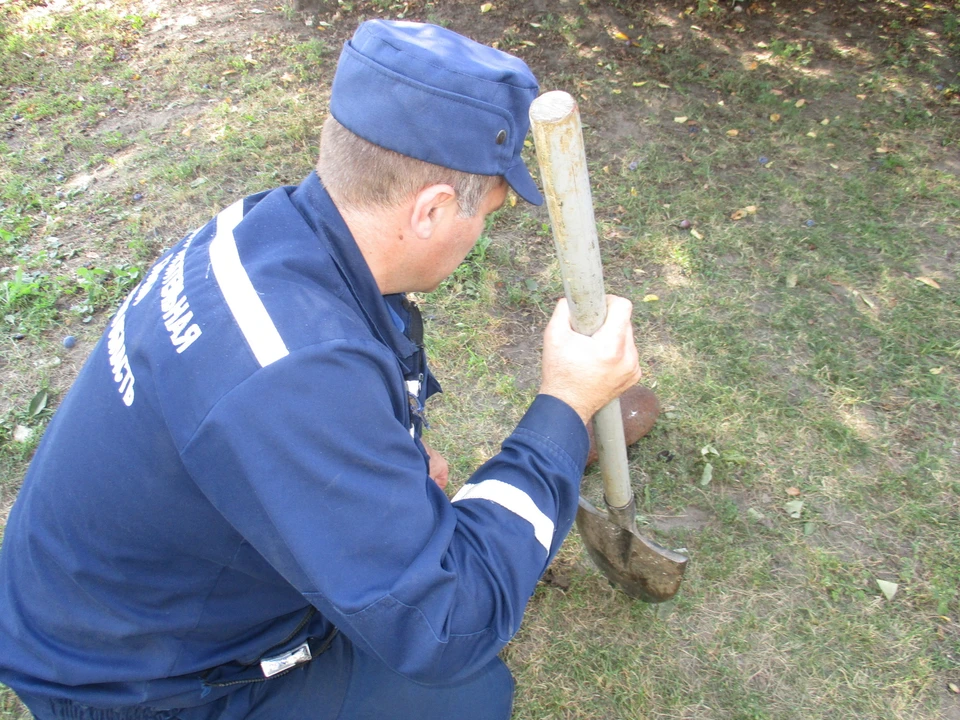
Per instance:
{"type": "Point", "coordinates": [431, 206]}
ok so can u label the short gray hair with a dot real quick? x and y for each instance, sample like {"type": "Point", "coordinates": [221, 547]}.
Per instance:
{"type": "Point", "coordinates": [361, 175]}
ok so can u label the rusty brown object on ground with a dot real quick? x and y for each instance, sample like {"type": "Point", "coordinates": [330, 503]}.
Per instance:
{"type": "Point", "coordinates": [639, 407]}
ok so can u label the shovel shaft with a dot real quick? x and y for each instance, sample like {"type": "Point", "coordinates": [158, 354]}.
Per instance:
{"type": "Point", "coordinates": [555, 120]}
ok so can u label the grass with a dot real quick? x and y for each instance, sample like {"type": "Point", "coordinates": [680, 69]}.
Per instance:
{"type": "Point", "coordinates": [808, 351]}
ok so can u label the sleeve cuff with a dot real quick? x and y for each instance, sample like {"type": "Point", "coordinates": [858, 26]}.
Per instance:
{"type": "Point", "coordinates": [559, 423]}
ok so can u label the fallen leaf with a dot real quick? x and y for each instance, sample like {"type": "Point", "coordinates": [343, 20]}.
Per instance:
{"type": "Point", "coordinates": [696, 234]}
{"type": "Point", "coordinates": [883, 150]}
{"type": "Point", "coordinates": [733, 133]}
{"type": "Point", "coordinates": [753, 66]}
{"type": "Point", "coordinates": [620, 36]}
{"type": "Point", "coordinates": [650, 298]}
{"type": "Point", "coordinates": [861, 97]}
{"type": "Point", "coordinates": [38, 403]}
{"type": "Point", "coordinates": [709, 450]}
{"type": "Point", "coordinates": [777, 92]}
{"type": "Point", "coordinates": [792, 283]}
{"type": "Point", "coordinates": [811, 134]}
{"type": "Point", "coordinates": [936, 370]}
{"type": "Point", "coordinates": [707, 475]}
{"type": "Point", "coordinates": [756, 514]}
{"type": "Point", "coordinates": [808, 528]}
{"type": "Point", "coordinates": [834, 166]}
{"type": "Point", "coordinates": [929, 281]}
{"type": "Point", "coordinates": [868, 302]}
{"type": "Point", "coordinates": [641, 83]}
{"type": "Point", "coordinates": [738, 215]}
{"type": "Point", "coordinates": [775, 117]}
{"type": "Point", "coordinates": [287, 78]}
{"type": "Point", "coordinates": [793, 492]}
{"type": "Point", "coordinates": [794, 508]}
{"type": "Point", "coordinates": [954, 688]}
{"type": "Point", "coordinates": [681, 119]}
{"type": "Point", "coordinates": [513, 200]}
{"type": "Point", "coordinates": [825, 121]}
{"type": "Point", "coordinates": [750, 209]}
{"type": "Point", "coordinates": [800, 103]}
{"type": "Point", "coordinates": [889, 589]}
{"type": "Point", "coordinates": [663, 85]}
{"type": "Point", "coordinates": [486, 7]}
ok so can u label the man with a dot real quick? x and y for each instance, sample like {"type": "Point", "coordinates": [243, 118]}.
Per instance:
{"type": "Point", "coordinates": [232, 513]}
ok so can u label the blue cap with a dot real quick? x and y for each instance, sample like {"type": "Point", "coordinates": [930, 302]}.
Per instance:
{"type": "Point", "coordinates": [431, 94]}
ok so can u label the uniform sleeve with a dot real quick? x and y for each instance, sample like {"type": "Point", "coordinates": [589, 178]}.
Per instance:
{"type": "Point", "coordinates": [308, 461]}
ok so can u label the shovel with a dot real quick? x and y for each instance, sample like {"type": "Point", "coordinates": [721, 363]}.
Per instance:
{"type": "Point", "coordinates": [640, 567]}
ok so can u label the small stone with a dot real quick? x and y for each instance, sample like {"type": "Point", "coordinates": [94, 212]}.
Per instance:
{"type": "Point", "coordinates": [69, 341]}
{"type": "Point", "coordinates": [685, 224]}
{"type": "Point", "coordinates": [21, 433]}
{"type": "Point", "coordinates": [634, 165]}
{"type": "Point", "coordinates": [810, 223]}
{"type": "Point", "coordinates": [18, 336]}
{"type": "Point", "coordinates": [137, 197]}
{"type": "Point", "coordinates": [763, 160]}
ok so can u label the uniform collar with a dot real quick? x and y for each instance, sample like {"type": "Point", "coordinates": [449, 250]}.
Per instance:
{"type": "Point", "coordinates": [317, 208]}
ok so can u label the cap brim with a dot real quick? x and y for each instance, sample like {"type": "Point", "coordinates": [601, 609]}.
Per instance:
{"type": "Point", "coordinates": [519, 179]}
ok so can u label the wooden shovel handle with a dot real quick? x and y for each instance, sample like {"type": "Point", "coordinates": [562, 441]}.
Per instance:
{"type": "Point", "coordinates": [557, 133]}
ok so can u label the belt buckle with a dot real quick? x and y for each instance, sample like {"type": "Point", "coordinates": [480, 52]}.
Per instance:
{"type": "Point", "coordinates": [285, 661]}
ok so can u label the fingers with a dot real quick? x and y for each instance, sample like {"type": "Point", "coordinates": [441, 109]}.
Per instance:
{"type": "Point", "coordinates": [619, 316]}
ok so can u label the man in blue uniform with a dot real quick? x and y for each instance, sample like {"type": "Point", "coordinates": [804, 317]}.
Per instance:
{"type": "Point", "coordinates": [232, 513]}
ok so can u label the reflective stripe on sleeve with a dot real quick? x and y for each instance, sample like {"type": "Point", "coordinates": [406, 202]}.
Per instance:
{"type": "Point", "coordinates": [514, 500]}
{"type": "Point", "coordinates": [241, 297]}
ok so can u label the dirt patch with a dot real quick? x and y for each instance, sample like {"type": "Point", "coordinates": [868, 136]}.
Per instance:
{"type": "Point", "coordinates": [521, 350]}
{"type": "Point", "coordinates": [690, 518]}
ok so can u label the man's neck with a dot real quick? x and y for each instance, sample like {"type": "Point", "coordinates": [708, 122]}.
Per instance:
{"type": "Point", "coordinates": [379, 236]}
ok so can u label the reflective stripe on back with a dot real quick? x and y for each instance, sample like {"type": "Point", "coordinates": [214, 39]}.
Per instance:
{"type": "Point", "coordinates": [240, 295]}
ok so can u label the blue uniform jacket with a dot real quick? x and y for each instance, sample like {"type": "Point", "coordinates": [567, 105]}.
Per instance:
{"type": "Point", "coordinates": [238, 467]}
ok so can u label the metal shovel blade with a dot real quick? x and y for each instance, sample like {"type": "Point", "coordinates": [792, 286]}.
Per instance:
{"type": "Point", "coordinates": [638, 566]}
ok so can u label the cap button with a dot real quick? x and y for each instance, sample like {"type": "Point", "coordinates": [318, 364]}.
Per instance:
{"type": "Point", "coordinates": [501, 137]}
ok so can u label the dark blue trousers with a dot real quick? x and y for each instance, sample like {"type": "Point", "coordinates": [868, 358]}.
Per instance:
{"type": "Point", "coordinates": [341, 684]}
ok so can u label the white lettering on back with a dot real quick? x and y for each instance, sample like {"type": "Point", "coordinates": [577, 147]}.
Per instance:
{"type": "Point", "coordinates": [117, 349]}
{"type": "Point", "coordinates": [174, 306]}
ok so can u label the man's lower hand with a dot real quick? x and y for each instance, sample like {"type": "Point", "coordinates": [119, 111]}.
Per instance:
{"type": "Point", "coordinates": [439, 467]}
{"type": "Point", "coordinates": [587, 372]}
